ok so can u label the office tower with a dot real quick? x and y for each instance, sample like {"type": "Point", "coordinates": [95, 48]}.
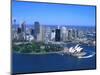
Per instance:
{"type": "Point", "coordinates": [64, 34]}
{"type": "Point", "coordinates": [18, 34]}
{"type": "Point", "coordinates": [52, 35]}
{"type": "Point", "coordinates": [57, 35]}
{"type": "Point", "coordinates": [39, 32]}
{"type": "Point", "coordinates": [32, 31]}
{"type": "Point", "coordinates": [14, 24]}
{"type": "Point", "coordinates": [41, 36]}
{"type": "Point", "coordinates": [23, 27]}
{"type": "Point", "coordinates": [18, 30]}
{"type": "Point", "coordinates": [47, 34]}
{"type": "Point", "coordinates": [80, 33]}
{"type": "Point", "coordinates": [36, 29]}
{"type": "Point", "coordinates": [28, 31]}
{"type": "Point", "coordinates": [43, 33]}
{"type": "Point", "coordinates": [70, 34]}
{"type": "Point", "coordinates": [13, 30]}
{"type": "Point", "coordinates": [14, 35]}
{"type": "Point", "coordinates": [29, 35]}
{"type": "Point", "coordinates": [75, 34]}
{"type": "Point", "coordinates": [23, 31]}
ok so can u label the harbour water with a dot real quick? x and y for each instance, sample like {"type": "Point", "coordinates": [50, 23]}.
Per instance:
{"type": "Point", "coordinates": [25, 63]}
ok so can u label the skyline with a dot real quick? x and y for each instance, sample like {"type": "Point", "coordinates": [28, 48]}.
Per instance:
{"type": "Point", "coordinates": [53, 14]}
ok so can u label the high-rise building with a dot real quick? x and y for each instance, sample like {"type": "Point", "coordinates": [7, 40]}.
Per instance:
{"type": "Point", "coordinates": [36, 29]}
{"type": "Point", "coordinates": [23, 30]}
{"type": "Point", "coordinates": [75, 33]}
{"type": "Point", "coordinates": [52, 35]}
{"type": "Point", "coordinates": [32, 31]}
{"type": "Point", "coordinates": [70, 34]}
{"type": "Point", "coordinates": [23, 27]}
{"type": "Point", "coordinates": [57, 35]}
{"type": "Point", "coordinates": [64, 34]}
{"type": "Point", "coordinates": [80, 33]}
{"type": "Point", "coordinates": [39, 32]}
{"type": "Point", "coordinates": [18, 30]}
{"type": "Point", "coordinates": [13, 30]}
{"type": "Point", "coordinates": [43, 32]}
{"type": "Point", "coordinates": [48, 34]}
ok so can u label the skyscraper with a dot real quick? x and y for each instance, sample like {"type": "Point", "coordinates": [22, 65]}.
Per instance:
{"type": "Point", "coordinates": [70, 34]}
{"type": "Point", "coordinates": [36, 29]}
{"type": "Point", "coordinates": [39, 32]}
{"type": "Point", "coordinates": [80, 33]}
{"type": "Point", "coordinates": [14, 29]}
{"type": "Point", "coordinates": [18, 30]}
{"type": "Point", "coordinates": [75, 33]}
{"type": "Point", "coordinates": [64, 34]}
{"type": "Point", "coordinates": [52, 35]}
{"type": "Point", "coordinates": [32, 31]}
{"type": "Point", "coordinates": [57, 35]}
{"type": "Point", "coordinates": [23, 27]}
{"type": "Point", "coordinates": [43, 32]}
{"type": "Point", "coordinates": [23, 30]}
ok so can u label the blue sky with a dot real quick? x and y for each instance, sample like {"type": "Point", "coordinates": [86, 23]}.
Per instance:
{"type": "Point", "coordinates": [59, 14]}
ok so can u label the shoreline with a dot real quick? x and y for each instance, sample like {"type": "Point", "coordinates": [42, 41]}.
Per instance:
{"type": "Point", "coordinates": [40, 53]}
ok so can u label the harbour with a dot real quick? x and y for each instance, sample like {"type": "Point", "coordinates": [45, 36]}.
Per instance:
{"type": "Point", "coordinates": [23, 63]}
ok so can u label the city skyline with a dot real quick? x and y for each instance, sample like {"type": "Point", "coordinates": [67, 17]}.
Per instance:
{"type": "Point", "coordinates": [53, 14]}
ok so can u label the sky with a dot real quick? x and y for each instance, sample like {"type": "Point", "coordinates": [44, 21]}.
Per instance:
{"type": "Point", "coordinates": [53, 14]}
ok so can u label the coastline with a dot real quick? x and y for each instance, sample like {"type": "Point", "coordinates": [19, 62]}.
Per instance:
{"type": "Point", "coordinates": [40, 53]}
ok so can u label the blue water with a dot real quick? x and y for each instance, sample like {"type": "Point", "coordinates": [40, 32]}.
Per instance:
{"type": "Point", "coordinates": [23, 63]}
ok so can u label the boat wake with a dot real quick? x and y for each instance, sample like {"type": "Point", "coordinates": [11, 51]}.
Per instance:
{"type": "Point", "coordinates": [87, 56]}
